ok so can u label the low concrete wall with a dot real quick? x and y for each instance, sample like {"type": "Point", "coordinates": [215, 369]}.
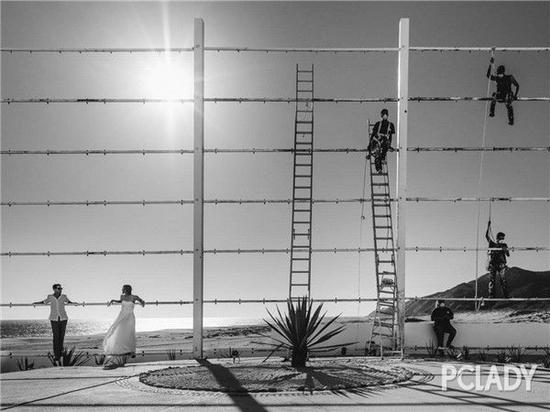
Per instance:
{"type": "Point", "coordinates": [468, 334]}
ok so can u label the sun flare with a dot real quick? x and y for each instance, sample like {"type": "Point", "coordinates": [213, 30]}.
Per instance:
{"type": "Point", "coordinates": [168, 81]}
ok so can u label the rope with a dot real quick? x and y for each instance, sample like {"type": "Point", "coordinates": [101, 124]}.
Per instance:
{"type": "Point", "coordinates": [362, 219]}
{"type": "Point", "coordinates": [483, 142]}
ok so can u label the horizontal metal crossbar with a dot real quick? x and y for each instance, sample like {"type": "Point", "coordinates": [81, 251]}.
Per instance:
{"type": "Point", "coordinates": [269, 300]}
{"type": "Point", "coordinates": [240, 49]}
{"type": "Point", "coordinates": [87, 100]}
{"type": "Point", "coordinates": [210, 301]}
{"type": "Point", "coordinates": [374, 49]}
{"type": "Point", "coordinates": [183, 202]}
{"type": "Point", "coordinates": [477, 99]}
{"type": "Point", "coordinates": [477, 199]}
{"type": "Point", "coordinates": [303, 49]}
{"type": "Point", "coordinates": [263, 251]}
{"type": "Point", "coordinates": [479, 149]}
{"type": "Point", "coordinates": [108, 50]}
{"type": "Point", "coordinates": [105, 100]}
{"type": "Point", "coordinates": [434, 298]}
{"type": "Point", "coordinates": [348, 150]}
{"type": "Point", "coordinates": [479, 49]}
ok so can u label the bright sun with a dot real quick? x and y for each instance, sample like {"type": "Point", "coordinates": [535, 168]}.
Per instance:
{"type": "Point", "coordinates": [168, 81]}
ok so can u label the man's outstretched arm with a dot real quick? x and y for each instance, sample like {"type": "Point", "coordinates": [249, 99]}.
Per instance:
{"type": "Point", "coordinates": [516, 84]}
{"type": "Point", "coordinates": [489, 75]}
{"type": "Point", "coordinates": [488, 233]}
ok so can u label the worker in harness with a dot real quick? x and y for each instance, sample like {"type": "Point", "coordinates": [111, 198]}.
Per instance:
{"type": "Point", "coordinates": [504, 90]}
{"type": "Point", "coordinates": [497, 262]}
{"type": "Point", "coordinates": [380, 140]}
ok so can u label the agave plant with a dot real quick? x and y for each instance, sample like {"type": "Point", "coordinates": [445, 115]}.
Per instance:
{"type": "Point", "coordinates": [483, 355]}
{"type": "Point", "coordinates": [302, 331]}
{"type": "Point", "coordinates": [70, 358]}
{"type": "Point", "coordinates": [466, 352]}
{"type": "Point", "coordinates": [431, 348]}
{"type": "Point", "coordinates": [24, 364]}
{"type": "Point", "coordinates": [516, 353]}
{"type": "Point", "coordinates": [546, 358]}
{"type": "Point", "coordinates": [502, 357]}
{"type": "Point", "coordinates": [99, 359]}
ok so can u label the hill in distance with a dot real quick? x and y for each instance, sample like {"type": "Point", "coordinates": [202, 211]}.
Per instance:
{"type": "Point", "coordinates": [521, 284]}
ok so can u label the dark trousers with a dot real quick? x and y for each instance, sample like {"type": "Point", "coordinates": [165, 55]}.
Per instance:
{"type": "Point", "coordinates": [58, 330]}
{"type": "Point", "coordinates": [378, 146]}
{"type": "Point", "coordinates": [507, 99]}
{"type": "Point", "coordinates": [440, 331]}
{"type": "Point", "coordinates": [496, 272]}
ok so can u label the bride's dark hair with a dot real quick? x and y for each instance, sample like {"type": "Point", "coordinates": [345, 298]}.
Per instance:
{"type": "Point", "coordinates": [127, 289]}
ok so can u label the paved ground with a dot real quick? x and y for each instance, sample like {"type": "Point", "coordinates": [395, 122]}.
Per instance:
{"type": "Point", "coordinates": [88, 388]}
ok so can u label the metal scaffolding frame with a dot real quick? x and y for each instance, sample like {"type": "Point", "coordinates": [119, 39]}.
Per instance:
{"type": "Point", "coordinates": [199, 99]}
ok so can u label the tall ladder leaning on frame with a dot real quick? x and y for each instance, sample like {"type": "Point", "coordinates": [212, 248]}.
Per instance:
{"type": "Point", "coordinates": [383, 339]}
{"type": "Point", "coordinates": [302, 187]}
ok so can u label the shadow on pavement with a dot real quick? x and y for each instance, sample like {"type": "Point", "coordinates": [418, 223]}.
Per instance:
{"type": "Point", "coordinates": [238, 394]}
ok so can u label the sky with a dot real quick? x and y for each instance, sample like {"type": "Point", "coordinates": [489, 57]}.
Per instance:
{"type": "Point", "coordinates": [232, 125]}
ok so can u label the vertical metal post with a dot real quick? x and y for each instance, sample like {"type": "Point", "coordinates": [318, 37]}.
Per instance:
{"type": "Point", "coordinates": [198, 190]}
{"type": "Point", "coordinates": [402, 112]}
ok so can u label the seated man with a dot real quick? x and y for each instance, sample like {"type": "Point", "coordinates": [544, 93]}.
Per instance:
{"type": "Point", "coordinates": [441, 317]}
{"type": "Point", "coordinates": [381, 135]}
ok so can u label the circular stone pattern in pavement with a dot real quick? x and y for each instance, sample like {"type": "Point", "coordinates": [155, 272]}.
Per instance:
{"type": "Point", "coordinates": [319, 375]}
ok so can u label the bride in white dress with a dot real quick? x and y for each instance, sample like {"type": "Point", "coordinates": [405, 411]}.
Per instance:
{"type": "Point", "coordinates": [120, 340]}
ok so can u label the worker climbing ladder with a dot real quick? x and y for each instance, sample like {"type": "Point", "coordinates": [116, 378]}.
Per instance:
{"type": "Point", "coordinates": [383, 336]}
{"type": "Point", "coordinates": [302, 187]}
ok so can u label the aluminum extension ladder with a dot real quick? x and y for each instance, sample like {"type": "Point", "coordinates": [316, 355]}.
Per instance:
{"type": "Point", "coordinates": [302, 187]}
{"type": "Point", "coordinates": [383, 339]}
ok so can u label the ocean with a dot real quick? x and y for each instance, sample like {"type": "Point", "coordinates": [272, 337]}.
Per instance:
{"type": "Point", "coordinates": [83, 327]}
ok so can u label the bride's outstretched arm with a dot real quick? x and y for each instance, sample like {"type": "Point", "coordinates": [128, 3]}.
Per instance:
{"type": "Point", "coordinates": [140, 300]}
{"type": "Point", "coordinates": [113, 301]}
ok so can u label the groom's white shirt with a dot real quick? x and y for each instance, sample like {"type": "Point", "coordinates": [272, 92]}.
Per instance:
{"type": "Point", "coordinates": [57, 307]}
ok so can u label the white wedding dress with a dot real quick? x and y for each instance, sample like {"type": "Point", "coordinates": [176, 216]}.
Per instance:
{"type": "Point", "coordinates": [121, 336]}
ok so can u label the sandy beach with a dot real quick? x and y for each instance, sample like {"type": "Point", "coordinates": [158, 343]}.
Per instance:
{"type": "Point", "coordinates": [151, 346]}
